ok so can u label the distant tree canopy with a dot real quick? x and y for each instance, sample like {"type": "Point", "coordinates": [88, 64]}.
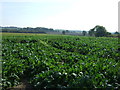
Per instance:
{"type": "Point", "coordinates": [91, 32]}
{"type": "Point", "coordinates": [27, 30]}
{"type": "Point", "coordinates": [116, 32]}
{"type": "Point", "coordinates": [84, 33]}
{"type": "Point", "coordinates": [98, 31]}
{"type": "Point", "coordinates": [63, 32]}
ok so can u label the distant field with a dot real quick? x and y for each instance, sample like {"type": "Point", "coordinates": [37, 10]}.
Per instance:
{"type": "Point", "coordinates": [19, 34]}
{"type": "Point", "coordinates": [60, 61]}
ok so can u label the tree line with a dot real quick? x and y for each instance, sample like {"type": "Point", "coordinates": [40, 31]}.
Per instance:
{"type": "Point", "coordinates": [99, 31]}
{"type": "Point", "coordinates": [26, 30]}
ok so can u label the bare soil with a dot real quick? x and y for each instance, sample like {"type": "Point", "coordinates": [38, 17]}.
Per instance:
{"type": "Point", "coordinates": [23, 86]}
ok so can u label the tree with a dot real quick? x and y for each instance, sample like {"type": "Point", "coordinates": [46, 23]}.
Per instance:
{"type": "Point", "coordinates": [67, 31]}
{"type": "Point", "coordinates": [116, 32]}
{"type": "Point", "coordinates": [63, 32]}
{"type": "Point", "coordinates": [84, 33]}
{"type": "Point", "coordinates": [108, 33]}
{"type": "Point", "coordinates": [100, 31]}
{"type": "Point", "coordinates": [91, 32]}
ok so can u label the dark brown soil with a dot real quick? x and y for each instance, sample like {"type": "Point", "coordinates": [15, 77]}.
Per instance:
{"type": "Point", "coordinates": [23, 86]}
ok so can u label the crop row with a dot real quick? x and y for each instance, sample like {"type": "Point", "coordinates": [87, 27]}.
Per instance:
{"type": "Point", "coordinates": [61, 62]}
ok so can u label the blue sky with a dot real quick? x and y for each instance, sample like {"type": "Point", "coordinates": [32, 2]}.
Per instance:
{"type": "Point", "coordinates": [28, 13]}
{"type": "Point", "coordinates": [60, 14]}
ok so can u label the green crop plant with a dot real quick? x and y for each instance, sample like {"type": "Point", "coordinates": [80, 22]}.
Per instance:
{"type": "Point", "coordinates": [60, 61]}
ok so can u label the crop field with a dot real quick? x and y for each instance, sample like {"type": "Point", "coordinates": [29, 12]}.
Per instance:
{"type": "Point", "coordinates": [60, 61]}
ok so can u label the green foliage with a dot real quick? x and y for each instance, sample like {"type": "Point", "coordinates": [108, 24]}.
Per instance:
{"type": "Point", "coordinates": [84, 33]}
{"type": "Point", "coordinates": [63, 32]}
{"type": "Point", "coordinates": [91, 32]}
{"type": "Point", "coordinates": [26, 30]}
{"type": "Point", "coordinates": [99, 31]}
{"type": "Point", "coordinates": [116, 32]}
{"type": "Point", "coordinates": [61, 61]}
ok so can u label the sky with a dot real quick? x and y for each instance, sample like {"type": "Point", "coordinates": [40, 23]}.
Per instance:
{"type": "Point", "coordinates": [60, 14]}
